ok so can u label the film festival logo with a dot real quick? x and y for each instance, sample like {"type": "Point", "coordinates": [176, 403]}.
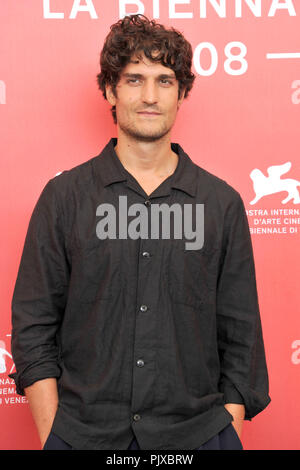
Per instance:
{"type": "Point", "coordinates": [266, 221]}
{"type": "Point", "coordinates": [160, 215]}
{"type": "Point", "coordinates": [4, 357]}
{"type": "Point", "coordinates": [7, 385]}
{"type": "Point", "coordinates": [8, 394]}
{"type": "Point", "coordinates": [266, 185]}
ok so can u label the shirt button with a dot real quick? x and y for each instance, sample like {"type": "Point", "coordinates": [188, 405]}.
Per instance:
{"type": "Point", "coordinates": [146, 254]}
{"type": "Point", "coordinates": [143, 308]}
{"type": "Point", "coordinates": [136, 417]}
{"type": "Point", "coordinates": [140, 363]}
{"type": "Point", "coordinates": [147, 202]}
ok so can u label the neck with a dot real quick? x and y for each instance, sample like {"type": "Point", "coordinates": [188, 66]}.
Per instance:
{"type": "Point", "coordinates": [152, 158]}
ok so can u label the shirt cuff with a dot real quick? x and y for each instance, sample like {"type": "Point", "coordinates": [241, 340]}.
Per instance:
{"type": "Point", "coordinates": [40, 372]}
{"type": "Point", "coordinates": [231, 394]}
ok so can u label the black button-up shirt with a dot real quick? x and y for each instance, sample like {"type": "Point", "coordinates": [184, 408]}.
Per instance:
{"type": "Point", "coordinates": [144, 336]}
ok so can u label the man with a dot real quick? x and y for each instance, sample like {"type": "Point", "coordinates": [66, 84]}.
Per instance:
{"type": "Point", "coordinates": [124, 338]}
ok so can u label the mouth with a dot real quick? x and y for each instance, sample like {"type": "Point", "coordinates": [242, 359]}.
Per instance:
{"type": "Point", "coordinates": [148, 114]}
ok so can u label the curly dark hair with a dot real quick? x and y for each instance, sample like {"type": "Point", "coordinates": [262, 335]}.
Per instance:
{"type": "Point", "coordinates": [135, 34]}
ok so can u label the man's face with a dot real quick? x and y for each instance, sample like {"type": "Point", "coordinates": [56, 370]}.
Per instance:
{"type": "Point", "coordinates": [147, 99]}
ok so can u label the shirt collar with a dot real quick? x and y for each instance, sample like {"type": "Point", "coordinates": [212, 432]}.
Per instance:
{"type": "Point", "coordinates": [111, 169]}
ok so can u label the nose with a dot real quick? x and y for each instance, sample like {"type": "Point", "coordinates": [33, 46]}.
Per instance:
{"type": "Point", "coordinates": [149, 92]}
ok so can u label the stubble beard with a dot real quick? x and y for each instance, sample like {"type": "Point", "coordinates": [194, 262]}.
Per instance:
{"type": "Point", "coordinates": [141, 135]}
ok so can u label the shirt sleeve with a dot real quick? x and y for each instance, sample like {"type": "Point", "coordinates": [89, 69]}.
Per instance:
{"type": "Point", "coordinates": [39, 295]}
{"type": "Point", "coordinates": [244, 375]}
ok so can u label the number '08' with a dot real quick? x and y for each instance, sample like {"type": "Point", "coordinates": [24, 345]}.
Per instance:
{"type": "Point", "coordinates": [230, 58]}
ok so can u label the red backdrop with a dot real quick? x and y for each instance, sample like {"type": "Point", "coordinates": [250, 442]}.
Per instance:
{"type": "Point", "coordinates": [242, 115]}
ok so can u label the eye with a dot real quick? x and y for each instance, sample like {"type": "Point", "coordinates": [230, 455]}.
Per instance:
{"type": "Point", "coordinates": [133, 81]}
{"type": "Point", "coordinates": [166, 81]}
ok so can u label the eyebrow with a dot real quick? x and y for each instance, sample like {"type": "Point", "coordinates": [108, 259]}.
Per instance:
{"type": "Point", "coordinates": [139, 75]}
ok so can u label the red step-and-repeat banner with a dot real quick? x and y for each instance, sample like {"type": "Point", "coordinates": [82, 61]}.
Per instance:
{"type": "Point", "coordinates": [240, 122]}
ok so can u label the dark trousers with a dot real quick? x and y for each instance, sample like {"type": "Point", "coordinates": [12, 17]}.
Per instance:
{"type": "Point", "coordinates": [227, 439]}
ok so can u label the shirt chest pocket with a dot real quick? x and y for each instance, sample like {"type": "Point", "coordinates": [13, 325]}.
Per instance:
{"type": "Point", "coordinates": [192, 275]}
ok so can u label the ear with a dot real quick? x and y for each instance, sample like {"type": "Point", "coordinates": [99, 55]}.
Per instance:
{"type": "Point", "coordinates": [180, 100]}
{"type": "Point", "coordinates": [111, 98]}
